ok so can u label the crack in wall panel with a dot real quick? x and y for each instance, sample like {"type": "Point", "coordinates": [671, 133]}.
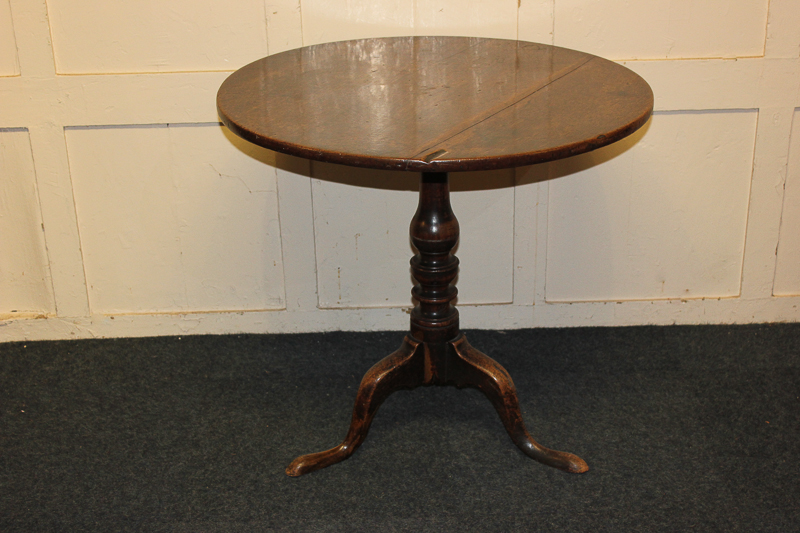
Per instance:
{"type": "Point", "coordinates": [24, 277]}
{"type": "Point", "coordinates": [787, 268]}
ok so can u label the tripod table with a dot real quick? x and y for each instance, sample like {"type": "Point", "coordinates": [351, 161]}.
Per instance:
{"type": "Point", "coordinates": [434, 105]}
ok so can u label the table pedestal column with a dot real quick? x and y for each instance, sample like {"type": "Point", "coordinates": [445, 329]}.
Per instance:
{"type": "Point", "coordinates": [435, 352]}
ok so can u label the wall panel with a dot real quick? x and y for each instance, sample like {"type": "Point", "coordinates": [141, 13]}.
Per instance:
{"type": "Point", "coordinates": [9, 63]}
{"type": "Point", "coordinates": [99, 36]}
{"type": "Point", "coordinates": [787, 268]}
{"type": "Point", "coordinates": [662, 29]}
{"type": "Point", "coordinates": [337, 20]}
{"type": "Point", "coordinates": [362, 242]}
{"type": "Point", "coordinates": [176, 218]}
{"type": "Point", "coordinates": [664, 218]}
{"type": "Point", "coordinates": [474, 18]}
{"type": "Point", "coordinates": [24, 282]}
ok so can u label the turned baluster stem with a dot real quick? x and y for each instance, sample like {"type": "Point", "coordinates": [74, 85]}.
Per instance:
{"type": "Point", "coordinates": [434, 233]}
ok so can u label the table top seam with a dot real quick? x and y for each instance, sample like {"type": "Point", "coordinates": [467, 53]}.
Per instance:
{"type": "Point", "coordinates": [494, 111]}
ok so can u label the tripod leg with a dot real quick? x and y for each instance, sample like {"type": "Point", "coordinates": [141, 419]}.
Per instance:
{"type": "Point", "coordinates": [484, 373]}
{"type": "Point", "coordinates": [401, 370]}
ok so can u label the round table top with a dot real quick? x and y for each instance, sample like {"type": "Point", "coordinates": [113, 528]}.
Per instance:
{"type": "Point", "coordinates": [434, 104]}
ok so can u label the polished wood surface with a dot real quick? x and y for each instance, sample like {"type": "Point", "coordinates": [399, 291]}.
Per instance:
{"type": "Point", "coordinates": [434, 104]}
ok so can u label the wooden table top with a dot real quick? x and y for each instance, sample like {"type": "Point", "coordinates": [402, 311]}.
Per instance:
{"type": "Point", "coordinates": [434, 104]}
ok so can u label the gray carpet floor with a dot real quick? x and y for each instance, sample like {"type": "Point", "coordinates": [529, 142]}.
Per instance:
{"type": "Point", "coordinates": [684, 428]}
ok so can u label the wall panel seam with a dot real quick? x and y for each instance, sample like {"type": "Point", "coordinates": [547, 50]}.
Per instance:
{"type": "Point", "coordinates": [314, 230]}
{"type": "Point", "coordinates": [49, 273]}
{"type": "Point", "coordinates": [280, 234]}
{"type": "Point", "coordinates": [783, 203]}
{"type": "Point", "coordinates": [749, 203]}
{"type": "Point", "coordinates": [78, 227]}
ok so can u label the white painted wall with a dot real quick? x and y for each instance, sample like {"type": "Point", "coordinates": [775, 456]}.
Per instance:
{"type": "Point", "coordinates": [127, 210]}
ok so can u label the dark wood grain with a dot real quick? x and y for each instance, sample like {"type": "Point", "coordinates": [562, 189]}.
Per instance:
{"type": "Point", "coordinates": [399, 370]}
{"type": "Point", "coordinates": [436, 363]}
{"type": "Point", "coordinates": [434, 233]}
{"type": "Point", "coordinates": [434, 104]}
{"type": "Point", "coordinates": [435, 352]}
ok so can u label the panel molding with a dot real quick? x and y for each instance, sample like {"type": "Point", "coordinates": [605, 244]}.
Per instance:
{"type": "Point", "coordinates": [688, 234]}
{"type": "Point", "coordinates": [176, 218]}
{"type": "Point", "coordinates": [25, 283]}
{"type": "Point", "coordinates": [361, 222]}
{"type": "Point", "coordinates": [675, 30]}
{"type": "Point", "coordinates": [96, 36]}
